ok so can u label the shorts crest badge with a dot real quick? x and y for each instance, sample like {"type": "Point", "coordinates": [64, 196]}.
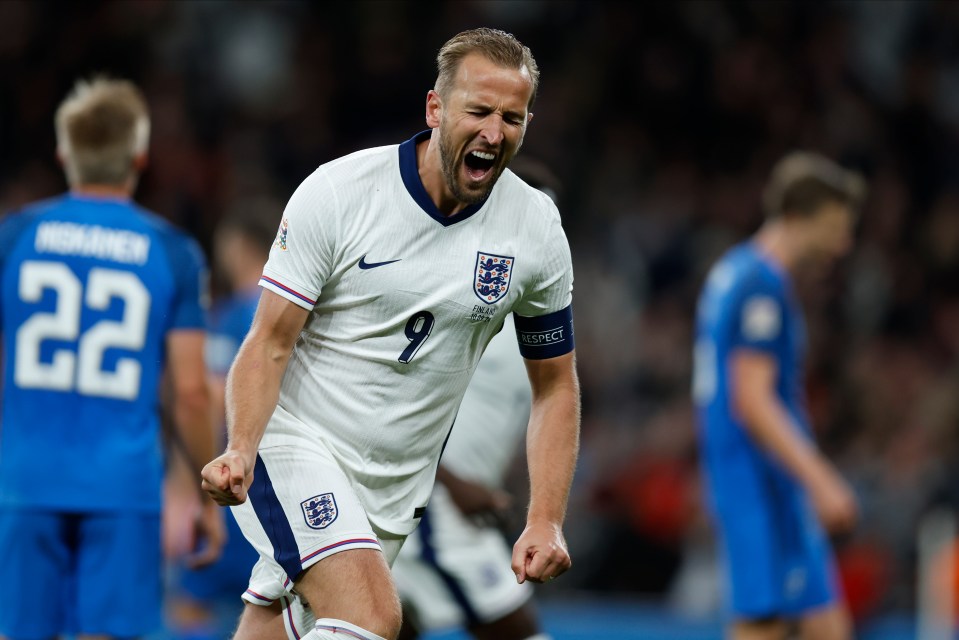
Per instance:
{"type": "Point", "coordinates": [491, 276]}
{"type": "Point", "coordinates": [320, 511]}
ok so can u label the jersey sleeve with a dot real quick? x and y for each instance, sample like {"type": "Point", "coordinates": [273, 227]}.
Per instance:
{"type": "Point", "coordinates": [544, 315]}
{"type": "Point", "coordinates": [301, 258]}
{"type": "Point", "coordinates": [12, 227]}
{"type": "Point", "coordinates": [758, 316]}
{"type": "Point", "coordinates": [191, 278]}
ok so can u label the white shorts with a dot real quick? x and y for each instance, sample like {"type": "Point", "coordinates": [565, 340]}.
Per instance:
{"type": "Point", "coordinates": [454, 572]}
{"type": "Point", "coordinates": [300, 509]}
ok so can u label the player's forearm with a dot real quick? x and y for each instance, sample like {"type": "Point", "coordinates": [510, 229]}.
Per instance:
{"type": "Point", "coordinates": [191, 414]}
{"type": "Point", "coordinates": [770, 424]}
{"type": "Point", "coordinates": [552, 446]}
{"type": "Point", "coordinates": [252, 391]}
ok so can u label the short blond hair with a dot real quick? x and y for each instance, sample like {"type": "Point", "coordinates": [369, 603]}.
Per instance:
{"type": "Point", "coordinates": [497, 46]}
{"type": "Point", "coordinates": [803, 181]}
{"type": "Point", "coordinates": [101, 127]}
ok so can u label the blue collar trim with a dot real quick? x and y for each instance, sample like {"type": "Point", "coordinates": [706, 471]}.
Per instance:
{"type": "Point", "coordinates": [411, 179]}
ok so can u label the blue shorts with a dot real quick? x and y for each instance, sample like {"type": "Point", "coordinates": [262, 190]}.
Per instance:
{"type": "Point", "coordinates": [79, 573]}
{"type": "Point", "coordinates": [778, 561]}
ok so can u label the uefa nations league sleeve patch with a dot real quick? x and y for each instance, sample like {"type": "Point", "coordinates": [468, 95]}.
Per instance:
{"type": "Point", "coordinates": [319, 511]}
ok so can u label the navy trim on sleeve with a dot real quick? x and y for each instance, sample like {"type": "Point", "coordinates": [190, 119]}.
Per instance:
{"type": "Point", "coordinates": [546, 336]}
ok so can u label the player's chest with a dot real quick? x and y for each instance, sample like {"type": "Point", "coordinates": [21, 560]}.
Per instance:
{"type": "Point", "coordinates": [477, 271]}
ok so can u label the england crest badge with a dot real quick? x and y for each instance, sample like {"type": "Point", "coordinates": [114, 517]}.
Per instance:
{"type": "Point", "coordinates": [319, 511]}
{"type": "Point", "coordinates": [491, 276]}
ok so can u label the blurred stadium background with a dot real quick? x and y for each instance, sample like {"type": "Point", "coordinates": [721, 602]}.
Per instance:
{"type": "Point", "coordinates": [659, 122]}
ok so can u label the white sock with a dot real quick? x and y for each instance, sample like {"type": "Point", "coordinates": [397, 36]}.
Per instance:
{"type": "Point", "coordinates": [331, 629]}
{"type": "Point", "coordinates": [540, 636]}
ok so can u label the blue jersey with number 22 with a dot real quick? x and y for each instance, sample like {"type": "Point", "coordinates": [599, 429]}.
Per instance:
{"type": "Point", "coordinates": [89, 289]}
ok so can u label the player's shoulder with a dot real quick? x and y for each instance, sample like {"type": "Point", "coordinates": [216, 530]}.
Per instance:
{"type": "Point", "coordinates": [359, 164]}
{"type": "Point", "coordinates": [513, 189]}
{"type": "Point", "coordinates": [15, 222]}
{"type": "Point", "coordinates": [747, 270]}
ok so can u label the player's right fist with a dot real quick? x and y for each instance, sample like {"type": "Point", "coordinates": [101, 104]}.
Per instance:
{"type": "Point", "coordinates": [227, 478]}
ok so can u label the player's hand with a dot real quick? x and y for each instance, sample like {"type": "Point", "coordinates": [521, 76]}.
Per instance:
{"type": "Point", "coordinates": [835, 503]}
{"type": "Point", "coordinates": [209, 538]}
{"type": "Point", "coordinates": [227, 478]}
{"type": "Point", "coordinates": [540, 554]}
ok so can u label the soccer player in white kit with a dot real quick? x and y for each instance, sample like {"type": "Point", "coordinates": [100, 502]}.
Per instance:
{"type": "Point", "coordinates": [392, 269]}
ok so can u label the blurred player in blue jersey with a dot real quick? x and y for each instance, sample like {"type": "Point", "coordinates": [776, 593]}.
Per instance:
{"type": "Point", "coordinates": [774, 496]}
{"type": "Point", "coordinates": [207, 600]}
{"type": "Point", "coordinates": [99, 299]}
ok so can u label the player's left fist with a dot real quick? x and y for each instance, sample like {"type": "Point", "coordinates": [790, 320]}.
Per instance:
{"type": "Point", "coordinates": [540, 554]}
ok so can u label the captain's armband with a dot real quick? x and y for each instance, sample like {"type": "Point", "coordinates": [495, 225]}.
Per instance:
{"type": "Point", "coordinates": [546, 336]}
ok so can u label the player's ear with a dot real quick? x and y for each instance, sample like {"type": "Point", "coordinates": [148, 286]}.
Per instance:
{"type": "Point", "coordinates": [140, 162]}
{"type": "Point", "coordinates": [529, 118]}
{"type": "Point", "coordinates": [434, 109]}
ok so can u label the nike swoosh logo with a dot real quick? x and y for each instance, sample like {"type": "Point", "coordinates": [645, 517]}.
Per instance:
{"type": "Point", "coordinates": [372, 265]}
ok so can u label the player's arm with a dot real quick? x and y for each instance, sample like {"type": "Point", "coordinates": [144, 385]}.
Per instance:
{"type": "Point", "coordinates": [757, 404]}
{"type": "Point", "coordinates": [552, 445]}
{"type": "Point", "coordinates": [473, 498]}
{"type": "Point", "coordinates": [252, 391]}
{"type": "Point", "coordinates": [190, 407]}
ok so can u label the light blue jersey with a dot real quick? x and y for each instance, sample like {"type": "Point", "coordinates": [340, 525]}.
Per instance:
{"type": "Point", "coordinates": [89, 289]}
{"type": "Point", "coordinates": [776, 553]}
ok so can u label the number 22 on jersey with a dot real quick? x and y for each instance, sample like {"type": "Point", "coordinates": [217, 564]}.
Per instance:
{"type": "Point", "coordinates": [81, 370]}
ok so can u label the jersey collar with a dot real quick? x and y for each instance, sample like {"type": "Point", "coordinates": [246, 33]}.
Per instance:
{"type": "Point", "coordinates": [411, 179]}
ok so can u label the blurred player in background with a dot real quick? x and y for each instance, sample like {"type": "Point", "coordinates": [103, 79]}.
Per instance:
{"type": "Point", "coordinates": [205, 601]}
{"type": "Point", "coordinates": [392, 269]}
{"type": "Point", "coordinates": [454, 570]}
{"type": "Point", "coordinates": [772, 492]}
{"type": "Point", "coordinates": [97, 296]}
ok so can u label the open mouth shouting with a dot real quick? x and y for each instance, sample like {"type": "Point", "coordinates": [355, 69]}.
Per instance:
{"type": "Point", "coordinates": [479, 164]}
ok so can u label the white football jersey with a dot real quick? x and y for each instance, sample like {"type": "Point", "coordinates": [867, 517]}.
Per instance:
{"type": "Point", "coordinates": [493, 416]}
{"type": "Point", "coordinates": [404, 300]}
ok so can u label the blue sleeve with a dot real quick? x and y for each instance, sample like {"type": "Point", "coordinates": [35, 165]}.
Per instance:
{"type": "Point", "coordinates": [758, 313]}
{"type": "Point", "coordinates": [12, 227]}
{"type": "Point", "coordinates": [547, 336]}
{"type": "Point", "coordinates": [190, 276]}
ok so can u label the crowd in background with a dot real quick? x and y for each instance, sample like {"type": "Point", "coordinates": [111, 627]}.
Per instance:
{"type": "Point", "coordinates": [659, 122]}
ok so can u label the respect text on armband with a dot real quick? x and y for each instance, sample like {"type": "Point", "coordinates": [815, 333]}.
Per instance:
{"type": "Point", "coordinates": [542, 338]}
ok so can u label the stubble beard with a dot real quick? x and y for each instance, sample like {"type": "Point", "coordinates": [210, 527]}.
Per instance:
{"type": "Point", "coordinates": [450, 168]}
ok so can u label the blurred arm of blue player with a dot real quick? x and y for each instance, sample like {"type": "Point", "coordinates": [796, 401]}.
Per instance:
{"type": "Point", "coordinates": [192, 415]}
{"type": "Point", "coordinates": [768, 422]}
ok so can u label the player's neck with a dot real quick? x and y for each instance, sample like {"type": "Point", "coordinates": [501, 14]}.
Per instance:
{"type": "Point", "coordinates": [431, 175]}
{"type": "Point", "coordinates": [774, 242]}
{"type": "Point", "coordinates": [105, 191]}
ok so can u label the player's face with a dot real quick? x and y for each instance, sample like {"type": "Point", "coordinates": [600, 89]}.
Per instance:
{"type": "Point", "coordinates": [482, 123]}
{"type": "Point", "coordinates": [829, 233]}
